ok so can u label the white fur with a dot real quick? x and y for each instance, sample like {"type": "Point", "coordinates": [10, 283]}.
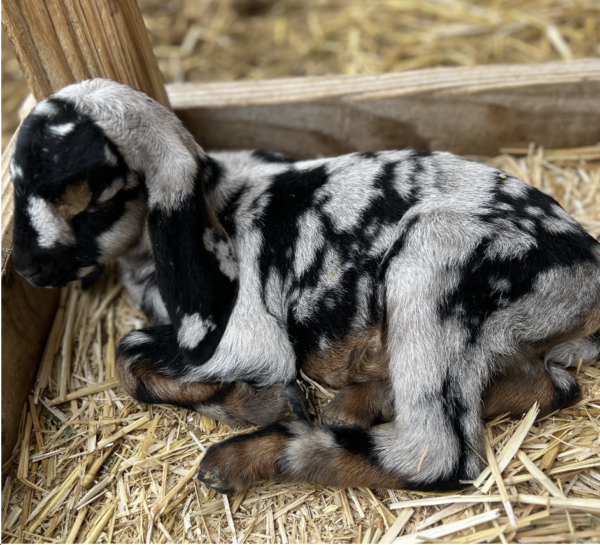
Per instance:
{"type": "Point", "coordinates": [46, 109]}
{"type": "Point", "coordinates": [310, 241]}
{"type": "Point", "coordinates": [84, 271]}
{"type": "Point", "coordinates": [50, 226]}
{"type": "Point", "coordinates": [111, 158]}
{"type": "Point", "coordinates": [15, 170]}
{"type": "Point", "coordinates": [349, 191]}
{"type": "Point", "coordinates": [124, 233]}
{"type": "Point", "coordinates": [223, 251]}
{"type": "Point", "coordinates": [569, 354]}
{"type": "Point", "coordinates": [422, 348]}
{"type": "Point", "coordinates": [111, 190]}
{"type": "Point", "coordinates": [514, 187]}
{"type": "Point", "coordinates": [254, 345]}
{"type": "Point", "coordinates": [193, 329]}
{"type": "Point", "coordinates": [62, 130]}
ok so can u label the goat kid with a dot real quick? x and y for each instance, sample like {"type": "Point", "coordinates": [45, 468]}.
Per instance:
{"type": "Point", "coordinates": [433, 280]}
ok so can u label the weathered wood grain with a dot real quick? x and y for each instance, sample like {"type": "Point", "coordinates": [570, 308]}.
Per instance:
{"type": "Point", "coordinates": [59, 42]}
{"type": "Point", "coordinates": [26, 317]}
{"type": "Point", "coordinates": [473, 111]}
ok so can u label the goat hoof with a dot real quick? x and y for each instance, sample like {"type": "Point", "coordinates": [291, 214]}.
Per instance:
{"type": "Point", "coordinates": [295, 399]}
{"type": "Point", "coordinates": [212, 479]}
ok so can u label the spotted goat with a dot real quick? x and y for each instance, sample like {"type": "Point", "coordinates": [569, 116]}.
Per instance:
{"type": "Point", "coordinates": [429, 289]}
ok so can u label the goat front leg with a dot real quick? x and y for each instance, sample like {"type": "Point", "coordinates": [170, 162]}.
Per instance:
{"type": "Point", "coordinates": [152, 370]}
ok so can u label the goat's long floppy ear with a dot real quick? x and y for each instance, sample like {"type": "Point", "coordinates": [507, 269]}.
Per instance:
{"type": "Point", "coordinates": [196, 269]}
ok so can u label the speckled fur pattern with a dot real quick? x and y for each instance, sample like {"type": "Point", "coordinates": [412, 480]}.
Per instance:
{"type": "Point", "coordinates": [436, 276]}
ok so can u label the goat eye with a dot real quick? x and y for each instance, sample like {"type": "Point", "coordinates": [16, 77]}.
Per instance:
{"type": "Point", "coordinates": [111, 190]}
{"type": "Point", "coordinates": [74, 200]}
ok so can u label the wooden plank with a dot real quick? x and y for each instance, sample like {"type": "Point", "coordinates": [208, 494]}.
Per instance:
{"type": "Point", "coordinates": [26, 319]}
{"type": "Point", "coordinates": [471, 111]}
{"type": "Point", "coordinates": [58, 42]}
{"type": "Point", "coordinates": [25, 326]}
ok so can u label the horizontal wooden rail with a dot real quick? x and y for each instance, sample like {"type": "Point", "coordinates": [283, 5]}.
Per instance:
{"type": "Point", "coordinates": [471, 111]}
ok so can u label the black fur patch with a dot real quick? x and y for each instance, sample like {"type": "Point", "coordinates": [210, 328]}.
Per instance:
{"type": "Point", "coordinates": [292, 193]}
{"type": "Point", "coordinates": [208, 291]}
{"type": "Point", "coordinates": [227, 215]}
{"type": "Point", "coordinates": [473, 301]}
{"type": "Point", "coordinates": [272, 157]}
{"type": "Point", "coordinates": [356, 440]}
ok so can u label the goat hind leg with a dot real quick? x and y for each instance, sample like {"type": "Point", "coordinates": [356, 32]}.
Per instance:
{"type": "Point", "coordinates": [340, 456]}
{"type": "Point", "coordinates": [570, 353]}
{"type": "Point", "coordinates": [368, 403]}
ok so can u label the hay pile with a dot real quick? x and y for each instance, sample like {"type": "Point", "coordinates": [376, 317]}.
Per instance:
{"type": "Point", "coordinates": [210, 40]}
{"type": "Point", "coordinates": [100, 467]}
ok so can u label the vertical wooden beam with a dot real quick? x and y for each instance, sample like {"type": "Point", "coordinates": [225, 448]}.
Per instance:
{"type": "Point", "coordinates": [58, 42]}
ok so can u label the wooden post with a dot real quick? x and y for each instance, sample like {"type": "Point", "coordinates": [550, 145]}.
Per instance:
{"type": "Point", "coordinates": [58, 42]}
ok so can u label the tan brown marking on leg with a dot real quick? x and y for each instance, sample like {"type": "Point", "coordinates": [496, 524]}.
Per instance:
{"type": "Point", "coordinates": [235, 464]}
{"type": "Point", "coordinates": [230, 403]}
{"type": "Point", "coordinates": [359, 357]}
{"type": "Point", "coordinates": [163, 387]}
{"type": "Point", "coordinates": [346, 469]}
{"type": "Point", "coordinates": [361, 404]}
{"type": "Point", "coordinates": [512, 395]}
{"type": "Point", "coordinates": [295, 454]}
{"type": "Point", "coordinates": [128, 381]}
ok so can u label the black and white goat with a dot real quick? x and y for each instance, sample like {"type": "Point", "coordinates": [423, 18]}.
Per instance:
{"type": "Point", "coordinates": [416, 279]}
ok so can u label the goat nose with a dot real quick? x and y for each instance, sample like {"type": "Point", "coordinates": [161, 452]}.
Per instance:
{"type": "Point", "coordinates": [31, 271]}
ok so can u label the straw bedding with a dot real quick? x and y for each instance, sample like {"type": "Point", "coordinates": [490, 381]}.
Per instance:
{"type": "Point", "coordinates": [99, 467]}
